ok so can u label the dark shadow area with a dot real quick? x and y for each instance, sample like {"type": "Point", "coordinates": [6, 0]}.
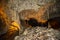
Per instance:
{"type": "Point", "coordinates": [33, 22]}
{"type": "Point", "coordinates": [54, 22]}
{"type": "Point", "coordinates": [7, 36]}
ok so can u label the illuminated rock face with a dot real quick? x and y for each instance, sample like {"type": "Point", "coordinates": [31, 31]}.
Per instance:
{"type": "Point", "coordinates": [27, 14]}
{"type": "Point", "coordinates": [30, 13]}
{"type": "Point", "coordinates": [11, 32]}
{"type": "Point", "coordinates": [8, 29]}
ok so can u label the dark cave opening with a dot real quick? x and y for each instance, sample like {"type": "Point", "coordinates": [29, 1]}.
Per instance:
{"type": "Point", "coordinates": [33, 22]}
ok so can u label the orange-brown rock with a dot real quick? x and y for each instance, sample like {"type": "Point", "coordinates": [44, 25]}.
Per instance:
{"type": "Point", "coordinates": [8, 29]}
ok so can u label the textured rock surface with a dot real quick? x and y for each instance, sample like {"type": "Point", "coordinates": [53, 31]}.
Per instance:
{"type": "Point", "coordinates": [15, 6]}
{"type": "Point", "coordinates": [37, 33]}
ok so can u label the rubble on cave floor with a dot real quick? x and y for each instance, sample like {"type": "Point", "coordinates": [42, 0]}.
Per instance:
{"type": "Point", "coordinates": [39, 33]}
